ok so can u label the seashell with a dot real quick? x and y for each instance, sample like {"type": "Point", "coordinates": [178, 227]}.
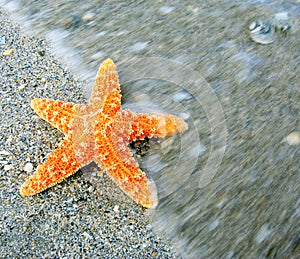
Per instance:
{"type": "Point", "coordinates": [280, 21]}
{"type": "Point", "coordinates": [261, 31]}
{"type": "Point", "coordinates": [283, 26]}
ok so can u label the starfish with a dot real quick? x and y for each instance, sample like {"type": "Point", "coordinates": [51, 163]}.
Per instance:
{"type": "Point", "coordinates": [100, 131]}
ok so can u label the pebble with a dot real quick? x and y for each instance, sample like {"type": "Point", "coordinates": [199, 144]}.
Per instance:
{"type": "Point", "coordinates": [72, 21]}
{"type": "Point", "coordinates": [213, 225]}
{"type": "Point", "coordinates": [2, 40]}
{"type": "Point", "coordinates": [262, 234]}
{"type": "Point", "coordinates": [101, 34]}
{"type": "Point", "coordinates": [8, 52]}
{"type": "Point", "coordinates": [166, 9]}
{"type": "Point", "coordinates": [70, 201]}
{"type": "Point", "coordinates": [28, 167]}
{"type": "Point", "coordinates": [139, 46]}
{"type": "Point", "coordinates": [4, 153]}
{"type": "Point", "coordinates": [88, 236]}
{"type": "Point", "coordinates": [293, 138]}
{"type": "Point", "coordinates": [87, 17]}
{"type": "Point", "coordinates": [281, 16]}
{"type": "Point", "coordinates": [181, 96]}
{"type": "Point", "coordinates": [184, 116]}
{"type": "Point", "coordinates": [280, 21]}
{"type": "Point", "coordinates": [41, 52]}
{"type": "Point", "coordinates": [22, 87]}
{"type": "Point", "coordinates": [116, 208]}
{"type": "Point", "coordinates": [8, 167]}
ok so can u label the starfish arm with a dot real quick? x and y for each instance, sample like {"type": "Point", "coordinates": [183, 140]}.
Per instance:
{"type": "Point", "coordinates": [60, 164]}
{"type": "Point", "coordinates": [130, 179]}
{"type": "Point", "coordinates": [106, 91]}
{"type": "Point", "coordinates": [58, 113]}
{"type": "Point", "coordinates": [114, 156]}
{"type": "Point", "coordinates": [155, 125]}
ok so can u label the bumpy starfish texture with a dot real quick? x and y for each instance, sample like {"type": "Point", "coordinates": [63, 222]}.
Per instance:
{"type": "Point", "coordinates": [100, 132]}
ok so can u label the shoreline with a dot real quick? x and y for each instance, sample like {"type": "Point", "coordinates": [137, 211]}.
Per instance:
{"type": "Point", "coordinates": [73, 218]}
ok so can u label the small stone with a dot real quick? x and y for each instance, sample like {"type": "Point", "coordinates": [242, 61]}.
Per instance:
{"type": "Point", "coordinates": [2, 40]}
{"type": "Point", "coordinates": [184, 116]}
{"type": "Point", "coordinates": [72, 22]}
{"type": "Point", "coordinates": [87, 17]}
{"type": "Point", "coordinates": [36, 118]}
{"type": "Point", "coordinates": [101, 34]}
{"type": "Point", "coordinates": [8, 52]}
{"type": "Point", "coordinates": [28, 167]}
{"type": "Point", "coordinates": [70, 201]}
{"type": "Point", "coordinates": [293, 138]}
{"type": "Point", "coordinates": [166, 9]}
{"type": "Point", "coordinates": [181, 96]}
{"type": "Point", "coordinates": [4, 153]}
{"type": "Point", "coordinates": [41, 52]}
{"type": "Point", "coordinates": [139, 46]}
{"type": "Point", "coordinates": [116, 208]}
{"type": "Point", "coordinates": [9, 139]}
{"type": "Point", "coordinates": [8, 167]}
{"type": "Point", "coordinates": [262, 234]}
{"type": "Point", "coordinates": [281, 22]}
{"type": "Point", "coordinates": [87, 235]}
{"type": "Point", "coordinates": [214, 225]}
{"type": "Point", "coordinates": [281, 16]}
{"type": "Point", "coordinates": [149, 227]}
{"type": "Point", "coordinates": [22, 87]}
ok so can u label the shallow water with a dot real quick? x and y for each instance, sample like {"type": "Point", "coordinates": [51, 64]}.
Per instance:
{"type": "Point", "coordinates": [240, 99]}
{"type": "Point", "coordinates": [80, 34]}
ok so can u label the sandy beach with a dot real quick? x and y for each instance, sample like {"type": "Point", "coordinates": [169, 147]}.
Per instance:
{"type": "Point", "coordinates": [74, 219]}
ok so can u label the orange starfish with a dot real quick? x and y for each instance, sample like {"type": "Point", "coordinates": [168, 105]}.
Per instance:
{"type": "Point", "coordinates": [100, 132]}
